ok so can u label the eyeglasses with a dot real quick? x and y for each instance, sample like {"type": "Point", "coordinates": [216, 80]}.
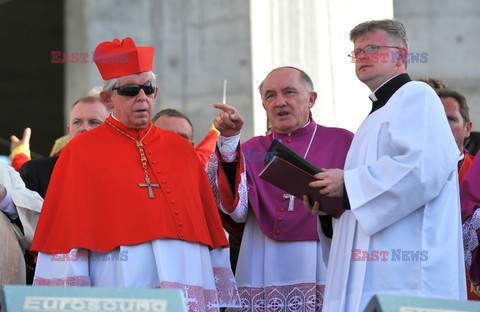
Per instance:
{"type": "Point", "coordinates": [133, 89]}
{"type": "Point", "coordinates": [370, 49]}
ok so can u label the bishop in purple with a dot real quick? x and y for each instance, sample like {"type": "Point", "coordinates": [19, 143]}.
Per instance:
{"type": "Point", "coordinates": [281, 261]}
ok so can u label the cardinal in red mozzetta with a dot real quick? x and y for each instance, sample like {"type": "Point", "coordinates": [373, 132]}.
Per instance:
{"type": "Point", "coordinates": [129, 204]}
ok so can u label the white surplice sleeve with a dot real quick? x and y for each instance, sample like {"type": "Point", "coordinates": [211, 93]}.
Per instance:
{"type": "Point", "coordinates": [237, 206]}
{"type": "Point", "coordinates": [27, 203]}
{"type": "Point", "coordinates": [415, 157]}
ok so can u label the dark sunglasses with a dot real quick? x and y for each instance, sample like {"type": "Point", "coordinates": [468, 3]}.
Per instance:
{"type": "Point", "coordinates": [133, 89]}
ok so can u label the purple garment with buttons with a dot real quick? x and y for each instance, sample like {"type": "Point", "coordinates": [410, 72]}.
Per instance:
{"type": "Point", "coordinates": [470, 199]}
{"type": "Point", "coordinates": [328, 150]}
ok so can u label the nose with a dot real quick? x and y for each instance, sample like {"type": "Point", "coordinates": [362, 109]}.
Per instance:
{"type": "Point", "coordinates": [141, 96]}
{"type": "Point", "coordinates": [280, 101]}
{"type": "Point", "coordinates": [84, 127]}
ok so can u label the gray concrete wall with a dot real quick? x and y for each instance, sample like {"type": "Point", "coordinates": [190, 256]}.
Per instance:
{"type": "Point", "coordinates": [449, 31]}
{"type": "Point", "coordinates": [197, 44]}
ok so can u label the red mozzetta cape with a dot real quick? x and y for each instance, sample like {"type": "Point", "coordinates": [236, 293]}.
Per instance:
{"type": "Point", "coordinates": [94, 200]}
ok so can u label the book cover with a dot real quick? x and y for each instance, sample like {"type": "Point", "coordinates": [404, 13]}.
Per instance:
{"type": "Point", "coordinates": [290, 178]}
{"type": "Point", "coordinates": [291, 173]}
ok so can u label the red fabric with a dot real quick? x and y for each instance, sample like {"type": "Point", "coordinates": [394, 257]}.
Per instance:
{"type": "Point", "coordinates": [116, 59]}
{"type": "Point", "coordinates": [473, 290]}
{"type": "Point", "coordinates": [467, 161]}
{"type": "Point", "coordinates": [94, 200]}
{"type": "Point", "coordinates": [18, 161]}
{"type": "Point", "coordinates": [205, 148]}
{"type": "Point", "coordinates": [228, 201]}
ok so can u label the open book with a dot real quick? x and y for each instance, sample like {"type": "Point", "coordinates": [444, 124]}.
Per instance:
{"type": "Point", "coordinates": [290, 172]}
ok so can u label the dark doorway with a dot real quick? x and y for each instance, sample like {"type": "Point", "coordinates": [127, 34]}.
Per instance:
{"type": "Point", "coordinates": [31, 92]}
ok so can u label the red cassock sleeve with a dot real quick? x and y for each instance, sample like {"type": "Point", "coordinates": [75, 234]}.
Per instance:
{"type": "Point", "coordinates": [205, 148]}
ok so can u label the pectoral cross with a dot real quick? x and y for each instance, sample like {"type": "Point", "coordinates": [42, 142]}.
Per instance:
{"type": "Point", "coordinates": [149, 186]}
{"type": "Point", "coordinates": [291, 201]}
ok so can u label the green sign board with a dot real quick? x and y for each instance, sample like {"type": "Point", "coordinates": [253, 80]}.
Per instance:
{"type": "Point", "coordinates": [53, 299]}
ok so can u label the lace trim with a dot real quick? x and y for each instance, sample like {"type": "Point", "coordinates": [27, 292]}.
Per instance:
{"type": "Point", "coordinates": [227, 288]}
{"type": "Point", "coordinates": [196, 298]}
{"type": "Point", "coordinates": [470, 237]}
{"type": "Point", "coordinates": [298, 297]}
{"type": "Point", "coordinates": [81, 280]}
{"type": "Point", "coordinates": [239, 215]}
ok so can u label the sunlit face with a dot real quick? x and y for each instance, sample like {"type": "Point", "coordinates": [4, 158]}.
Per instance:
{"type": "Point", "coordinates": [460, 129]}
{"type": "Point", "coordinates": [286, 100]}
{"type": "Point", "coordinates": [376, 68]}
{"type": "Point", "coordinates": [134, 112]}
{"type": "Point", "coordinates": [85, 116]}
{"type": "Point", "coordinates": [176, 124]}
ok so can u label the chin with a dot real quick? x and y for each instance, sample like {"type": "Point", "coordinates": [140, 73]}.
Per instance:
{"type": "Point", "coordinates": [141, 124]}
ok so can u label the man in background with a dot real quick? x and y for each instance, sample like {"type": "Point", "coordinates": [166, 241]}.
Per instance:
{"type": "Point", "coordinates": [457, 111]}
{"type": "Point", "coordinates": [87, 113]}
{"type": "Point", "coordinates": [176, 121]}
{"type": "Point", "coordinates": [20, 208]}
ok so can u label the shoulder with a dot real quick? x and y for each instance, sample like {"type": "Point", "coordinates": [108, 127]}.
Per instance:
{"type": "Point", "coordinates": [35, 164]}
{"type": "Point", "coordinates": [417, 88]}
{"type": "Point", "coordinates": [257, 143]}
{"type": "Point", "coordinates": [172, 143]}
{"type": "Point", "coordinates": [415, 97]}
{"type": "Point", "coordinates": [6, 171]}
{"type": "Point", "coordinates": [171, 138]}
{"type": "Point", "coordinates": [337, 133]}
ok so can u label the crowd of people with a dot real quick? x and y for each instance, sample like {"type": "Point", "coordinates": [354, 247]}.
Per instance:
{"type": "Point", "coordinates": [128, 201]}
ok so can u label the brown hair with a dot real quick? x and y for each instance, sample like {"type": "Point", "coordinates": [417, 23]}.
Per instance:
{"type": "Point", "coordinates": [457, 96]}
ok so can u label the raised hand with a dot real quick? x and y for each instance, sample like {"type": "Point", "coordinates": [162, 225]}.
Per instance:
{"type": "Point", "coordinates": [16, 142]}
{"type": "Point", "coordinates": [228, 121]}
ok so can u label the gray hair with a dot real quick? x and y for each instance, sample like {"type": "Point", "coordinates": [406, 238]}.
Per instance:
{"type": "Point", "coordinates": [108, 85]}
{"type": "Point", "coordinates": [303, 75]}
{"type": "Point", "coordinates": [394, 29]}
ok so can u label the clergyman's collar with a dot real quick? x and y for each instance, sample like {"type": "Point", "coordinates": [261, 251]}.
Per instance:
{"type": "Point", "coordinates": [381, 96]}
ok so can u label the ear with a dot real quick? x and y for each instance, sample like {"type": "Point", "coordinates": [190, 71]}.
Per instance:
{"type": "Point", "coordinates": [468, 129]}
{"type": "Point", "coordinates": [106, 99]}
{"type": "Point", "coordinates": [68, 128]}
{"type": "Point", "coordinates": [402, 56]}
{"type": "Point", "coordinates": [312, 98]}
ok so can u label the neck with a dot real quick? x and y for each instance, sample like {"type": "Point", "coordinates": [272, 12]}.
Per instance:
{"type": "Point", "coordinates": [291, 131]}
{"type": "Point", "coordinates": [375, 85]}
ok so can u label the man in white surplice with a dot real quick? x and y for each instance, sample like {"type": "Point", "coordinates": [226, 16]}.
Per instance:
{"type": "Point", "coordinates": [20, 208]}
{"type": "Point", "coordinates": [400, 231]}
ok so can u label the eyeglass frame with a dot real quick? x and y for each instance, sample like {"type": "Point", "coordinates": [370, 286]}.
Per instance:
{"type": "Point", "coordinates": [377, 47]}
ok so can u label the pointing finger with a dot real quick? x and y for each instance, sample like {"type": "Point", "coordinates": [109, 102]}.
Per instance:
{"type": "Point", "coordinates": [224, 107]}
{"type": "Point", "coordinates": [26, 135]}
